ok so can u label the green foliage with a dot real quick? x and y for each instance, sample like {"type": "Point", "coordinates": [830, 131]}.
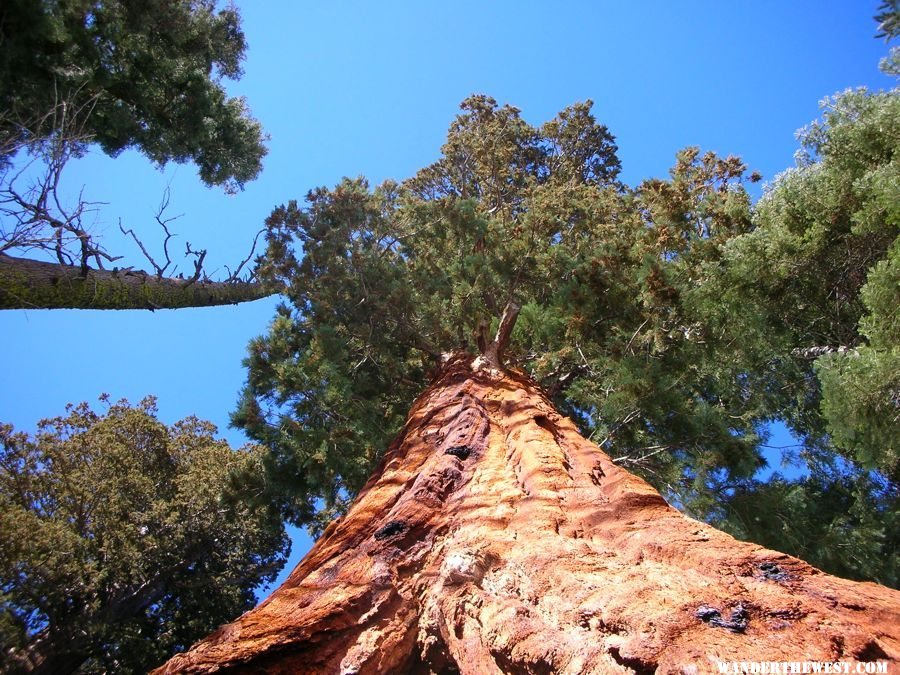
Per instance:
{"type": "Point", "coordinates": [888, 19]}
{"type": "Point", "coordinates": [814, 279]}
{"type": "Point", "coordinates": [822, 225]}
{"type": "Point", "coordinates": [138, 75]}
{"type": "Point", "coordinates": [861, 389]}
{"type": "Point", "coordinates": [860, 405]}
{"type": "Point", "coordinates": [842, 521]}
{"type": "Point", "coordinates": [122, 540]}
{"type": "Point", "coordinates": [808, 303]}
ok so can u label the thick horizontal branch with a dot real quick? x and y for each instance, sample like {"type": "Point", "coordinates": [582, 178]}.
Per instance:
{"type": "Point", "coordinates": [32, 284]}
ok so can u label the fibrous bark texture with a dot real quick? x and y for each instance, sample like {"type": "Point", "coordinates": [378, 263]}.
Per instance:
{"type": "Point", "coordinates": [32, 284]}
{"type": "Point", "coordinates": [493, 538]}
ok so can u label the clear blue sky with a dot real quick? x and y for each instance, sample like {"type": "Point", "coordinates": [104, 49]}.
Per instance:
{"type": "Point", "coordinates": [354, 88]}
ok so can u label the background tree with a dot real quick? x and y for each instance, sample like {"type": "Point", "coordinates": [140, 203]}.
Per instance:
{"type": "Point", "coordinates": [888, 19]}
{"type": "Point", "coordinates": [141, 76]}
{"type": "Point", "coordinates": [814, 290]}
{"type": "Point", "coordinates": [121, 540]}
{"type": "Point", "coordinates": [119, 76]}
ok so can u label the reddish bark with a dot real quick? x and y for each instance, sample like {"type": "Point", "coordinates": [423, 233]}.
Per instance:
{"type": "Point", "coordinates": [493, 538]}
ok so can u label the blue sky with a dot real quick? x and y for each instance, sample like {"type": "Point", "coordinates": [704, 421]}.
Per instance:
{"type": "Point", "coordinates": [352, 88]}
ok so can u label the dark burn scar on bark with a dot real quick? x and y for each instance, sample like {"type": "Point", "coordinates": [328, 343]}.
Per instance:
{"type": "Point", "coordinates": [772, 572]}
{"type": "Point", "coordinates": [392, 528]}
{"type": "Point", "coordinates": [459, 451]}
{"type": "Point", "coordinates": [636, 665]}
{"type": "Point", "coordinates": [737, 623]}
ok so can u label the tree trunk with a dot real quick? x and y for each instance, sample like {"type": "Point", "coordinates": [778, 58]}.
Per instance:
{"type": "Point", "coordinates": [493, 538]}
{"type": "Point", "coordinates": [32, 284]}
{"type": "Point", "coordinates": [47, 654]}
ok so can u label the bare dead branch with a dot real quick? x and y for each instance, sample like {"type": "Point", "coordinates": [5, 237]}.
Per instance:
{"type": "Point", "coordinates": [36, 214]}
{"type": "Point", "coordinates": [198, 263]}
{"type": "Point", "coordinates": [34, 217]}
{"type": "Point", "coordinates": [649, 452]}
{"type": "Point", "coordinates": [634, 335]}
{"type": "Point", "coordinates": [235, 276]}
{"type": "Point", "coordinates": [137, 240]}
{"type": "Point", "coordinates": [628, 419]}
{"type": "Point", "coordinates": [815, 352]}
{"type": "Point", "coordinates": [164, 224]}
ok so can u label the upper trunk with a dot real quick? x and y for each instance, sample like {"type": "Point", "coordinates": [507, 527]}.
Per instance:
{"type": "Point", "coordinates": [32, 284]}
{"type": "Point", "coordinates": [493, 538]}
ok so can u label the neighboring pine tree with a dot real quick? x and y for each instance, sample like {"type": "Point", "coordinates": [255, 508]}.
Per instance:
{"type": "Point", "coordinates": [140, 75]}
{"type": "Point", "coordinates": [812, 295]}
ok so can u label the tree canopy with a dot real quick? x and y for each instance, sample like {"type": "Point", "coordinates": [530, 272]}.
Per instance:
{"type": "Point", "coordinates": [391, 278]}
{"type": "Point", "coordinates": [123, 539]}
{"type": "Point", "coordinates": [143, 76]}
{"type": "Point", "coordinates": [643, 312]}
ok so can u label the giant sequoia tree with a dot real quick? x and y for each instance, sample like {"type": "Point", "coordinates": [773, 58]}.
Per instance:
{"type": "Point", "coordinates": [497, 534]}
{"type": "Point", "coordinates": [118, 75]}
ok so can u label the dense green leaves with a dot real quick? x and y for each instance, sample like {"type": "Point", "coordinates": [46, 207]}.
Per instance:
{"type": "Point", "coordinates": [808, 304]}
{"type": "Point", "coordinates": [861, 388]}
{"type": "Point", "coordinates": [332, 382]}
{"type": "Point", "coordinates": [135, 75]}
{"type": "Point", "coordinates": [888, 19]}
{"type": "Point", "coordinates": [122, 540]}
